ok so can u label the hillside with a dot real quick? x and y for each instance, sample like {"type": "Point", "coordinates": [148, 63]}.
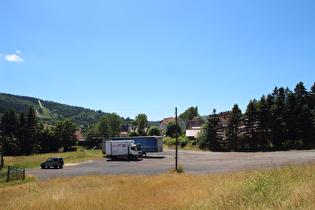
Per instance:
{"type": "Point", "coordinates": [50, 112]}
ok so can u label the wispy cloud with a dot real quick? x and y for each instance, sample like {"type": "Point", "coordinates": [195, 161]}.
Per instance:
{"type": "Point", "coordinates": [18, 51]}
{"type": "Point", "coordinates": [13, 58]}
{"type": "Point", "coordinates": [0, 55]}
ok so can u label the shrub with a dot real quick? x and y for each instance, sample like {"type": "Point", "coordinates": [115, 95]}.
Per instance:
{"type": "Point", "coordinates": [154, 131]}
{"type": "Point", "coordinates": [193, 142]}
{"type": "Point", "coordinates": [169, 141]}
{"type": "Point", "coordinates": [133, 133]}
{"type": "Point", "coordinates": [183, 141]}
{"type": "Point", "coordinates": [172, 128]}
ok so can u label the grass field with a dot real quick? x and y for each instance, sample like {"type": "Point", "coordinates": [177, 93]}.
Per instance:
{"type": "Point", "coordinates": [290, 187]}
{"type": "Point", "coordinates": [34, 161]}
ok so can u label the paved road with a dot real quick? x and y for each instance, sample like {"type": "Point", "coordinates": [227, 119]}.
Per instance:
{"type": "Point", "coordinates": [193, 162]}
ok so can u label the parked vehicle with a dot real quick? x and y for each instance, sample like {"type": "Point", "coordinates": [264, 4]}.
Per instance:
{"type": "Point", "coordinates": [56, 162]}
{"type": "Point", "coordinates": [121, 149]}
{"type": "Point", "coordinates": [148, 143]}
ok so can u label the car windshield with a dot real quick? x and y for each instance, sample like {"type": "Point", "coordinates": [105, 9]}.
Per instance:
{"type": "Point", "coordinates": [49, 160]}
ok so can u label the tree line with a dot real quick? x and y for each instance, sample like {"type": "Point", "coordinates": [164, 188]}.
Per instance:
{"type": "Point", "coordinates": [284, 119]}
{"type": "Point", "coordinates": [24, 134]}
{"type": "Point", "coordinates": [110, 126]}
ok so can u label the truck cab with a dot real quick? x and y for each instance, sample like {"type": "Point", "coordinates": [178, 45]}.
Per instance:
{"type": "Point", "coordinates": [122, 149]}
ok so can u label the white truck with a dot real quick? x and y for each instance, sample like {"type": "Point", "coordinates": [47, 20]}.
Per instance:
{"type": "Point", "coordinates": [121, 149]}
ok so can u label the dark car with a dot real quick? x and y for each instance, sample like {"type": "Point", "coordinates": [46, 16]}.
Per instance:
{"type": "Point", "coordinates": [56, 162]}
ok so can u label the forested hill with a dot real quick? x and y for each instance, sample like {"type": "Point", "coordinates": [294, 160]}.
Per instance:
{"type": "Point", "coordinates": [50, 112]}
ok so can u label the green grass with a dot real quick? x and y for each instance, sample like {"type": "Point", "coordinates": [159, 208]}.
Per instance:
{"type": "Point", "coordinates": [4, 183]}
{"type": "Point", "coordinates": [34, 161]}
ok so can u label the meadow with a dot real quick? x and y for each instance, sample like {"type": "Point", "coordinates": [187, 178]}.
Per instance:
{"type": "Point", "coordinates": [290, 187]}
{"type": "Point", "coordinates": [34, 161]}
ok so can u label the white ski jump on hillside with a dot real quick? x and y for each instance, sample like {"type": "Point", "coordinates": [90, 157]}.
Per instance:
{"type": "Point", "coordinates": [40, 104]}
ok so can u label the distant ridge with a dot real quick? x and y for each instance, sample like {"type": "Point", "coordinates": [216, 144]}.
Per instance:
{"type": "Point", "coordinates": [49, 111]}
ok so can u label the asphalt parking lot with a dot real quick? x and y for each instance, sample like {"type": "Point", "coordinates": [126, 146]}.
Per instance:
{"type": "Point", "coordinates": [193, 162]}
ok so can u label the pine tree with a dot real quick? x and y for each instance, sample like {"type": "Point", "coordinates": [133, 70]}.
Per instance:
{"type": "Point", "coordinates": [31, 143]}
{"type": "Point", "coordinates": [22, 133]}
{"type": "Point", "coordinates": [233, 127]}
{"type": "Point", "coordinates": [209, 137]}
{"type": "Point", "coordinates": [278, 123]}
{"type": "Point", "coordinates": [292, 125]}
{"type": "Point", "coordinates": [250, 123]}
{"type": "Point", "coordinates": [9, 126]}
{"type": "Point", "coordinates": [264, 123]}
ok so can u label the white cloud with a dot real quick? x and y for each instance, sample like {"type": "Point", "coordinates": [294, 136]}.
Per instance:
{"type": "Point", "coordinates": [13, 58]}
{"type": "Point", "coordinates": [0, 55]}
{"type": "Point", "coordinates": [18, 51]}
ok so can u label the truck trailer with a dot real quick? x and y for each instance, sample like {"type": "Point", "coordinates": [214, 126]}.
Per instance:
{"type": "Point", "coordinates": [121, 149]}
{"type": "Point", "coordinates": [148, 143]}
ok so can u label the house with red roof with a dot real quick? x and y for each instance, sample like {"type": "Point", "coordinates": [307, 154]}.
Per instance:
{"type": "Point", "coordinates": [163, 123]}
{"type": "Point", "coordinates": [80, 138]}
{"type": "Point", "coordinates": [180, 121]}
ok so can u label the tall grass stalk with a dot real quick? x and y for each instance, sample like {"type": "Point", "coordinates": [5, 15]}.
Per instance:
{"type": "Point", "coordinates": [285, 188]}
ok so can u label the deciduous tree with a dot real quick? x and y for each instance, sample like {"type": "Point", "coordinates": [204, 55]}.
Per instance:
{"type": "Point", "coordinates": [142, 123]}
{"type": "Point", "coordinates": [154, 131]}
{"type": "Point", "coordinates": [65, 130]}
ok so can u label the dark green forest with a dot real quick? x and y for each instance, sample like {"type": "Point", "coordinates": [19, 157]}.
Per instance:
{"type": "Point", "coordinates": [284, 119]}
{"type": "Point", "coordinates": [51, 112]}
{"type": "Point", "coordinates": [24, 134]}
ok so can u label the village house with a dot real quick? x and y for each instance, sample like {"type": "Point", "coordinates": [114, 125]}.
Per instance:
{"type": "Point", "coordinates": [126, 129]}
{"type": "Point", "coordinates": [164, 122]}
{"type": "Point", "coordinates": [194, 128]}
{"type": "Point", "coordinates": [80, 138]}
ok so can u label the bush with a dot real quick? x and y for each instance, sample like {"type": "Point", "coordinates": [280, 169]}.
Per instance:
{"type": "Point", "coordinates": [154, 131]}
{"type": "Point", "coordinates": [133, 133]}
{"type": "Point", "coordinates": [172, 128]}
{"type": "Point", "coordinates": [182, 141]}
{"type": "Point", "coordinates": [169, 141]}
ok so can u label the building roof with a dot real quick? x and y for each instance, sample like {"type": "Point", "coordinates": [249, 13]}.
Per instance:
{"type": "Point", "coordinates": [224, 119]}
{"type": "Point", "coordinates": [166, 120]}
{"type": "Point", "coordinates": [195, 123]}
{"type": "Point", "coordinates": [79, 135]}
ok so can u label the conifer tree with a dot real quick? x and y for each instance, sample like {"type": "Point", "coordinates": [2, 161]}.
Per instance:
{"type": "Point", "coordinates": [250, 123]}
{"type": "Point", "coordinates": [31, 142]}
{"type": "Point", "coordinates": [264, 123]}
{"type": "Point", "coordinates": [233, 127]}
{"type": "Point", "coordinates": [210, 132]}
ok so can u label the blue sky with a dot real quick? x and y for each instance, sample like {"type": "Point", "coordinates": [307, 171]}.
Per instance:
{"type": "Point", "coordinates": [132, 57]}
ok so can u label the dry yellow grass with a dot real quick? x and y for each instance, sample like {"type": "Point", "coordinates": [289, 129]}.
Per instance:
{"type": "Point", "coordinates": [287, 188]}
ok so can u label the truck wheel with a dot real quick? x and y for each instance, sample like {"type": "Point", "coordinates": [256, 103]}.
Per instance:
{"type": "Point", "coordinates": [55, 166]}
{"type": "Point", "coordinates": [43, 167]}
{"type": "Point", "coordinates": [61, 166]}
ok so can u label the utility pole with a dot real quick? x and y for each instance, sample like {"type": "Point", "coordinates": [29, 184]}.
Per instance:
{"type": "Point", "coordinates": [176, 153]}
